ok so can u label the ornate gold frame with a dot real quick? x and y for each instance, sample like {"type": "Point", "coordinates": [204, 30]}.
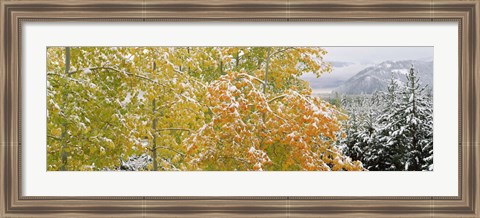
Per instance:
{"type": "Point", "coordinates": [15, 12]}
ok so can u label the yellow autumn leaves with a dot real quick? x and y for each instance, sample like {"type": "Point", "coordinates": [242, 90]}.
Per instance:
{"type": "Point", "coordinates": [214, 108]}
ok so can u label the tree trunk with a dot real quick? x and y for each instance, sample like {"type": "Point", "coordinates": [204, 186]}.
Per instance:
{"type": "Point", "coordinates": [64, 129]}
{"type": "Point", "coordinates": [417, 165]}
{"type": "Point", "coordinates": [266, 72]}
{"type": "Point", "coordinates": [154, 130]}
{"type": "Point", "coordinates": [267, 62]}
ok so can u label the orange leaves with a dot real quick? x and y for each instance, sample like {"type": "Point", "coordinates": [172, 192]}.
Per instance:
{"type": "Point", "coordinates": [236, 124]}
{"type": "Point", "coordinates": [259, 158]}
{"type": "Point", "coordinates": [252, 128]}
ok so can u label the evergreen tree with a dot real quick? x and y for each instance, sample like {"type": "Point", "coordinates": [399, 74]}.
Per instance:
{"type": "Point", "coordinates": [350, 143]}
{"type": "Point", "coordinates": [361, 129]}
{"type": "Point", "coordinates": [391, 130]}
{"type": "Point", "coordinates": [390, 150]}
{"type": "Point", "coordinates": [417, 123]}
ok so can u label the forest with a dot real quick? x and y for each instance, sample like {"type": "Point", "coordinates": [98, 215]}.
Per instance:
{"type": "Point", "coordinates": [225, 109]}
{"type": "Point", "coordinates": [391, 130]}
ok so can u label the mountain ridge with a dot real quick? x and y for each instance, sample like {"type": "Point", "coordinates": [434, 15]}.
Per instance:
{"type": "Point", "coordinates": [376, 78]}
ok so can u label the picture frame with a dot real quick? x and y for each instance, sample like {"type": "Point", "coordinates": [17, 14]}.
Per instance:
{"type": "Point", "coordinates": [15, 13]}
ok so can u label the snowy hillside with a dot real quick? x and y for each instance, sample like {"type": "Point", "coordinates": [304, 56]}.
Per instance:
{"type": "Point", "coordinates": [376, 77]}
{"type": "Point", "coordinates": [341, 72]}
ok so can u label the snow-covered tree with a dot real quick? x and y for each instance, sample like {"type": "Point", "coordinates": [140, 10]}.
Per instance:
{"type": "Point", "coordinates": [361, 129]}
{"type": "Point", "coordinates": [392, 130]}
{"type": "Point", "coordinates": [389, 151]}
{"type": "Point", "coordinates": [417, 124]}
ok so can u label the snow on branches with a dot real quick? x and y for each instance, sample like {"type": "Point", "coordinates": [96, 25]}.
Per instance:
{"type": "Point", "coordinates": [391, 130]}
{"type": "Point", "coordinates": [251, 130]}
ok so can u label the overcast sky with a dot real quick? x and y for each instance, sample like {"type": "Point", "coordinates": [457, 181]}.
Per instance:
{"type": "Point", "coordinates": [376, 54]}
{"type": "Point", "coordinates": [360, 58]}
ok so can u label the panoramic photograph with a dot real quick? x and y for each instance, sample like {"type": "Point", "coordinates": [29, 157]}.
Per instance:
{"type": "Point", "coordinates": [239, 108]}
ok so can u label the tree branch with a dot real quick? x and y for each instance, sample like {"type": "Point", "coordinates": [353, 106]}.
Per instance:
{"type": "Point", "coordinates": [185, 74]}
{"type": "Point", "coordinates": [276, 98]}
{"type": "Point", "coordinates": [243, 75]}
{"type": "Point", "coordinates": [243, 160]}
{"type": "Point", "coordinates": [167, 148]}
{"type": "Point", "coordinates": [113, 69]}
{"type": "Point", "coordinates": [280, 51]}
{"type": "Point", "coordinates": [53, 137]}
{"type": "Point", "coordinates": [174, 129]}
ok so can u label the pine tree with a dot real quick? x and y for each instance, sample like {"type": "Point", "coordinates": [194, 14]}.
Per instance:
{"type": "Point", "coordinates": [349, 143]}
{"type": "Point", "coordinates": [361, 129]}
{"type": "Point", "coordinates": [391, 130]}
{"type": "Point", "coordinates": [389, 150]}
{"type": "Point", "coordinates": [417, 123]}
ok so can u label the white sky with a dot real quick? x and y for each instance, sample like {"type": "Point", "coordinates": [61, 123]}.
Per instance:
{"type": "Point", "coordinates": [377, 54]}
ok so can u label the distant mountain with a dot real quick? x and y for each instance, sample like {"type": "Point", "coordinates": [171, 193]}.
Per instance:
{"type": "Point", "coordinates": [341, 71]}
{"type": "Point", "coordinates": [375, 78]}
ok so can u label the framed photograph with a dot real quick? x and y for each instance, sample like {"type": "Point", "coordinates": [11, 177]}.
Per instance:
{"type": "Point", "coordinates": [233, 108]}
